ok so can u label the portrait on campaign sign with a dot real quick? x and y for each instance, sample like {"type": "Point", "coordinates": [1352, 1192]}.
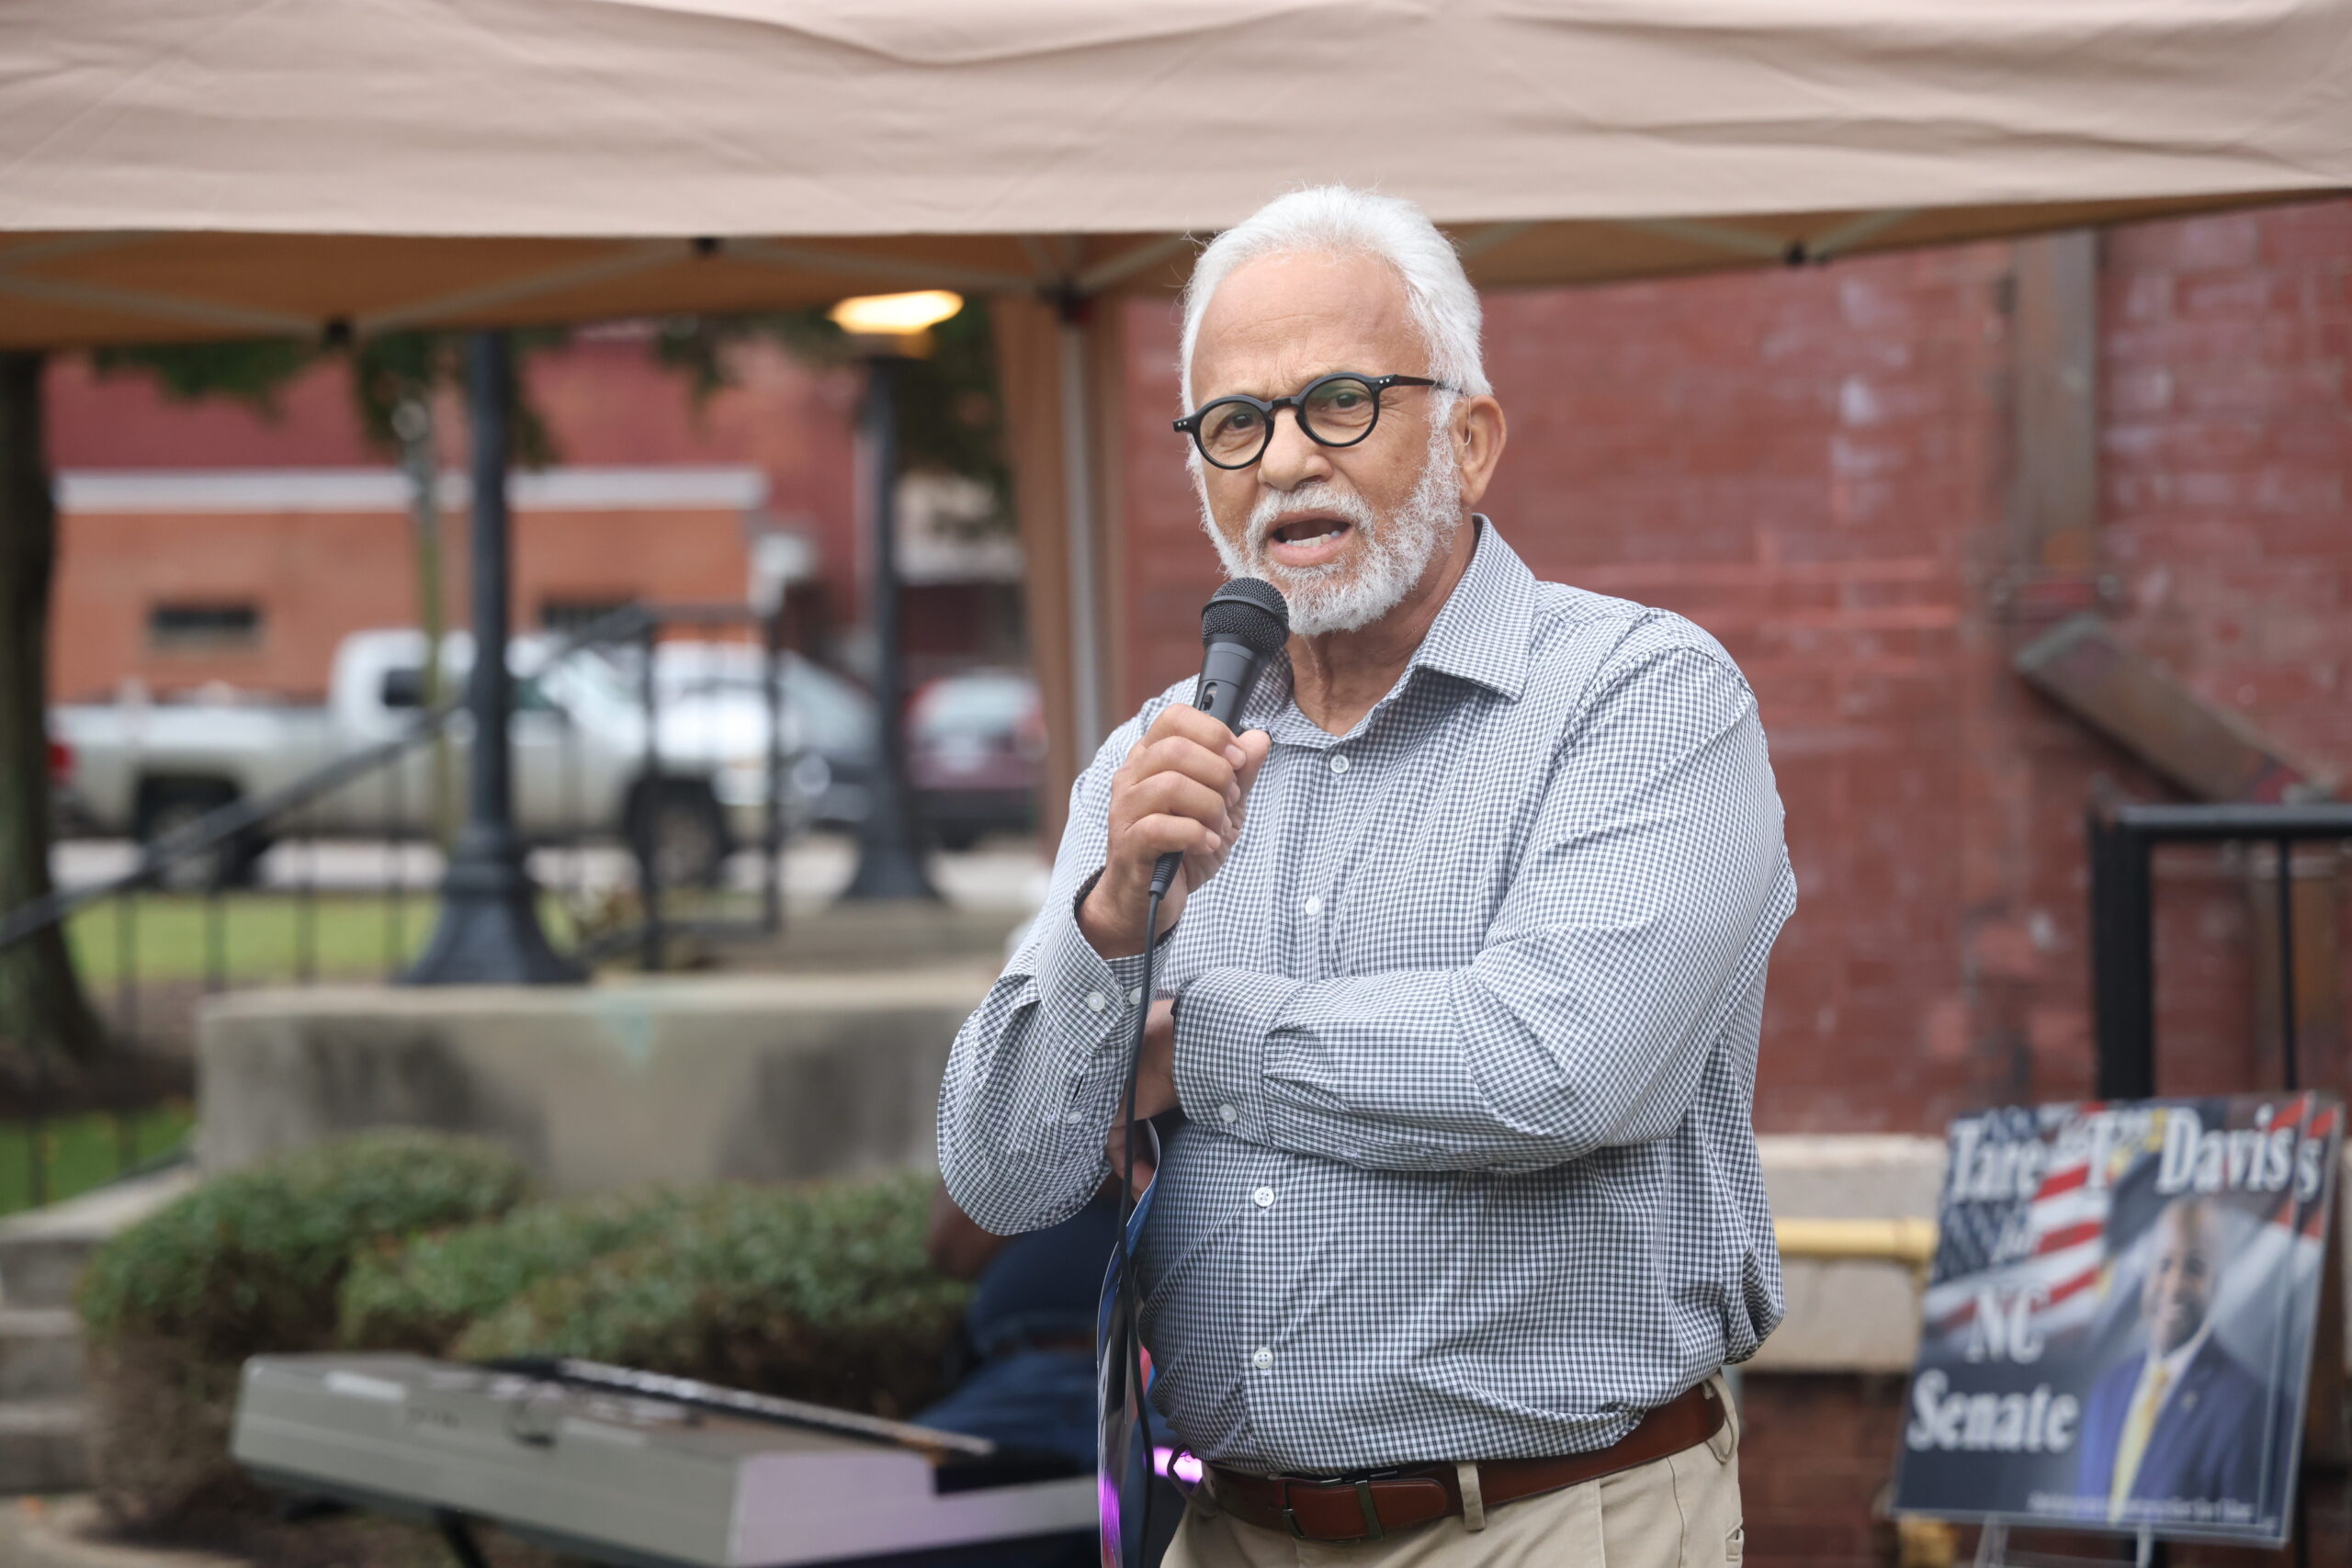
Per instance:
{"type": "Point", "coordinates": [2119, 1328]}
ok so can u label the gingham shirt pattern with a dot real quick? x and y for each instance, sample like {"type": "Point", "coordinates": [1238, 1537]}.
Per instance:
{"type": "Point", "coordinates": [1466, 1034]}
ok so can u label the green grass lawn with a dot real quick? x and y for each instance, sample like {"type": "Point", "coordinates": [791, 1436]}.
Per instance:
{"type": "Point", "coordinates": [83, 1151]}
{"type": "Point", "coordinates": [350, 936]}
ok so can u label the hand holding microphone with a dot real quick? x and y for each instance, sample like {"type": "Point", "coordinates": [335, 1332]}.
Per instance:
{"type": "Point", "coordinates": [1178, 801]}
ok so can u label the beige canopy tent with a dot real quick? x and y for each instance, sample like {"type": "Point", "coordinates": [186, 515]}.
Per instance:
{"type": "Point", "coordinates": [185, 168]}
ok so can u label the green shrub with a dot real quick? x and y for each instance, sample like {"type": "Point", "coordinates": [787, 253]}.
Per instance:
{"type": "Point", "coordinates": [253, 1259]}
{"type": "Point", "coordinates": [820, 1292]}
{"type": "Point", "coordinates": [250, 1262]}
{"type": "Point", "coordinates": [419, 1293]}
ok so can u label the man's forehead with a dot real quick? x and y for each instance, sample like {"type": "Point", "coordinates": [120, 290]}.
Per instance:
{"type": "Point", "coordinates": [1295, 315]}
{"type": "Point", "coordinates": [2186, 1228]}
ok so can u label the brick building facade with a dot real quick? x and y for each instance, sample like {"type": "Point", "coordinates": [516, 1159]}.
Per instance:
{"type": "Point", "coordinates": [1814, 466]}
{"type": "Point", "coordinates": [210, 542]}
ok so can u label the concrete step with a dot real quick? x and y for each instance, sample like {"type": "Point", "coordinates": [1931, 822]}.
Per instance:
{"type": "Point", "coordinates": [41, 1353]}
{"type": "Point", "coordinates": [41, 1447]}
{"type": "Point", "coordinates": [44, 1252]}
{"type": "Point", "coordinates": [41, 1271]}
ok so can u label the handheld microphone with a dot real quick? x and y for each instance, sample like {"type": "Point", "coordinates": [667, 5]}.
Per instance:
{"type": "Point", "coordinates": [1241, 625]}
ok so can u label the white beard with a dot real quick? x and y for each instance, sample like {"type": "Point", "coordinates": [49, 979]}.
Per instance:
{"type": "Point", "coordinates": [1397, 549]}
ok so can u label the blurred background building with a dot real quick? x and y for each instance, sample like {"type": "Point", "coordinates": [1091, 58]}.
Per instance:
{"type": "Point", "coordinates": [216, 542]}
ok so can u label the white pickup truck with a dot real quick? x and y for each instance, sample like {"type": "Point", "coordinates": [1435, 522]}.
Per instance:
{"type": "Point", "coordinates": [142, 769]}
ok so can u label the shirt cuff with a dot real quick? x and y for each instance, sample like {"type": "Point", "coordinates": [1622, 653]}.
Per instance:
{"type": "Point", "coordinates": [1222, 1031]}
{"type": "Point", "coordinates": [1081, 994]}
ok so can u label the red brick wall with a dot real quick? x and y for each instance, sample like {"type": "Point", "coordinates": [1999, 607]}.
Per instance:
{"type": "Point", "coordinates": [1816, 1453]}
{"type": "Point", "coordinates": [1814, 466]}
{"type": "Point", "coordinates": [2228, 523]}
{"type": "Point", "coordinates": [319, 576]}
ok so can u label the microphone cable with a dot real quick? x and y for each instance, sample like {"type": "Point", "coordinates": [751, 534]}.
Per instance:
{"type": "Point", "coordinates": [1133, 1350]}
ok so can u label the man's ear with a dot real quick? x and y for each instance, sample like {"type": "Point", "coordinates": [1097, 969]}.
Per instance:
{"type": "Point", "coordinates": [1478, 435]}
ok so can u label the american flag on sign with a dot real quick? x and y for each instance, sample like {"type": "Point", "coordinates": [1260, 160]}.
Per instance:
{"type": "Point", "coordinates": [2289, 1220]}
{"type": "Point", "coordinates": [2060, 1247]}
{"type": "Point", "coordinates": [1970, 1241]}
{"type": "Point", "coordinates": [2051, 1245]}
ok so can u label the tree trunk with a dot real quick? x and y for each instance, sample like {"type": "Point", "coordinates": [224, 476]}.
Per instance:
{"type": "Point", "coordinates": [42, 1007]}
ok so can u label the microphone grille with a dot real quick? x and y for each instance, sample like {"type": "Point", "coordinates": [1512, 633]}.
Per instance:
{"type": "Point", "coordinates": [1250, 611]}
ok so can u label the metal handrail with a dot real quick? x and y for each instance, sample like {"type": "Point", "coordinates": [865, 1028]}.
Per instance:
{"type": "Point", "coordinates": [224, 823]}
{"type": "Point", "coordinates": [218, 826]}
{"type": "Point", "coordinates": [1909, 1239]}
{"type": "Point", "coordinates": [2124, 836]}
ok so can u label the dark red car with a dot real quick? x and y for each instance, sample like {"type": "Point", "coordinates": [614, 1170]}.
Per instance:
{"type": "Point", "coordinates": [976, 741]}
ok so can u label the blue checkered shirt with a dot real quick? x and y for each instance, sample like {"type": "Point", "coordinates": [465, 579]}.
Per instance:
{"type": "Point", "coordinates": [1466, 1040]}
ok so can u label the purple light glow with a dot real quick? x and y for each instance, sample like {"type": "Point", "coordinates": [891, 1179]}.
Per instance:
{"type": "Point", "coordinates": [1186, 1468]}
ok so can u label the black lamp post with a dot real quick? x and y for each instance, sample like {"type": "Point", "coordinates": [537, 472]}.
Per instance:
{"type": "Point", "coordinates": [490, 932]}
{"type": "Point", "coordinates": [889, 855]}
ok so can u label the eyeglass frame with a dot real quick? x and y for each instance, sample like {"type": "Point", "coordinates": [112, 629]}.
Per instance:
{"type": "Point", "coordinates": [1297, 403]}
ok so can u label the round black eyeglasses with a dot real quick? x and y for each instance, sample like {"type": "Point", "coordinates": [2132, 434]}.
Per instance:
{"type": "Point", "coordinates": [1334, 411]}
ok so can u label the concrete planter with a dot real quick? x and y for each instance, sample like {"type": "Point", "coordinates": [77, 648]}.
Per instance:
{"type": "Point", "coordinates": [609, 1086]}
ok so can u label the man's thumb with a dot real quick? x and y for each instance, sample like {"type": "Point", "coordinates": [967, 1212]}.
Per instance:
{"type": "Point", "coordinates": [1256, 744]}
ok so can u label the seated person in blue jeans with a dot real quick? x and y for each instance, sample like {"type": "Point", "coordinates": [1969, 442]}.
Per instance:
{"type": "Point", "coordinates": [1030, 1327]}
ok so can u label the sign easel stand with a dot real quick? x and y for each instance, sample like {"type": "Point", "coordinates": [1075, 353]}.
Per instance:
{"type": "Point", "coordinates": [1993, 1551]}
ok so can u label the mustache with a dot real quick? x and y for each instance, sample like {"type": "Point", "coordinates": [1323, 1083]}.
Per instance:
{"type": "Point", "coordinates": [1319, 496]}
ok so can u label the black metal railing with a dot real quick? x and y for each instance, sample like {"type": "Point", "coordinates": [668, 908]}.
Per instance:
{"type": "Point", "coordinates": [2124, 837]}
{"type": "Point", "coordinates": [651, 914]}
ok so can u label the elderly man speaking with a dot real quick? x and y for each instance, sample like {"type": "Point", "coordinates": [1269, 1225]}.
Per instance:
{"type": "Point", "coordinates": [1461, 980]}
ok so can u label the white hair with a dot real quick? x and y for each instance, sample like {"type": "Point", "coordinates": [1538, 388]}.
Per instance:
{"type": "Point", "coordinates": [1341, 221]}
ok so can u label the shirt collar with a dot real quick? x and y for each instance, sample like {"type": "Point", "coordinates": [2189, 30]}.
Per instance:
{"type": "Point", "coordinates": [1482, 633]}
{"type": "Point", "coordinates": [2177, 1362]}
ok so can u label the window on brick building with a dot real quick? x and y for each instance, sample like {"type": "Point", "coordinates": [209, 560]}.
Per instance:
{"type": "Point", "coordinates": [227, 623]}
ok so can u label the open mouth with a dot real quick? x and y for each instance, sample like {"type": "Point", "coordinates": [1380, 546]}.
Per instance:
{"type": "Point", "coordinates": [1308, 539]}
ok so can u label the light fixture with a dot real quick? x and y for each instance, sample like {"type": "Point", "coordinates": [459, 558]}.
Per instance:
{"type": "Point", "coordinates": [895, 315]}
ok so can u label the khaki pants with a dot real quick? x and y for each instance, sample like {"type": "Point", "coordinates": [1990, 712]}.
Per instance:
{"type": "Point", "coordinates": [1681, 1511]}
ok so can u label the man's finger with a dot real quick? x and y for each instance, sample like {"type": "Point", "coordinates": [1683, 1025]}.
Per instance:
{"type": "Point", "coordinates": [1159, 835]}
{"type": "Point", "coordinates": [1116, 1150]}
{"type": "Point", "coordinates": [1172, 794]}
{"type": "Point", "coordinates": [1175, 754]}
{"type": "Point", "coordinates": [1201, 728]}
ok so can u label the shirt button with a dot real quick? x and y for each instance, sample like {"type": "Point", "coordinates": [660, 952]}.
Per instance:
{"type": "Point", "coordinates": [1314, 904]}
{"type": "Point", "coordinates": [1263, 1196]}
{"type": "Point", "coordinates": [1227, 1114]}
{"type": "Point", "coordinates": [1096, 1001]}
{"type": "Point", "coordinates": [1339, 763]}
{"type": "Point", "coordinates": [1261, 1359]}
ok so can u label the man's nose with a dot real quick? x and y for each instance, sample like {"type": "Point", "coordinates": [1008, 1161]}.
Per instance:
{"type": "Point", "coordinates": [1291, 458]}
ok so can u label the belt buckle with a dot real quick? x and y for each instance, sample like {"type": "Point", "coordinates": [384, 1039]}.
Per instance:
{"type": "Point", "coordinates": [1364, 1501]}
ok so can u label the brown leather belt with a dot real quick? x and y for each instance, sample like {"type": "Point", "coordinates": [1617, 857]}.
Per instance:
{"type": "Point", "coordinates": [1367, 1508]}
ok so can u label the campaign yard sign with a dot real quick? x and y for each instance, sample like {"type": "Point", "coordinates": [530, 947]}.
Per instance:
{"type": "Point", "coordinates": [2117, 1330]}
